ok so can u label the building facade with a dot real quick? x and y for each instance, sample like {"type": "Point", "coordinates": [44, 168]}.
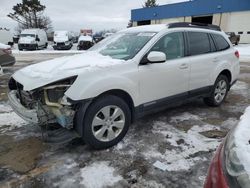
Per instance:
{"type": "Point", "coordinates": [230, 15]}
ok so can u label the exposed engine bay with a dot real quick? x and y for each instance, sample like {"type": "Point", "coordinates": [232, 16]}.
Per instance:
{"type": "Point", "coordinates": [49, 102]}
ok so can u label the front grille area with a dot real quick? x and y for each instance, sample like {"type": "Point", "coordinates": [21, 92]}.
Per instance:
{"type": "Point", "coordinates": [60, 44]}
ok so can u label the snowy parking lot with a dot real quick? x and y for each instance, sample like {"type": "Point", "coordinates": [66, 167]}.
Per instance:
{"type": "Point", "coordinates": [182, 140]}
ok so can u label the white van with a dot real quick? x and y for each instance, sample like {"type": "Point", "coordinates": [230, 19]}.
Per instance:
{"type": "Point", "coordinates": [6, 37]}
{"type": "Point", "coordinates": [33, 39]}
{"type": "Point", "coordinates": [63, 40]}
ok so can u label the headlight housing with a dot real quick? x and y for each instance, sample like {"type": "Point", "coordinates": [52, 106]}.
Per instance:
{"type": "Point", "coordinates": [55, 91]}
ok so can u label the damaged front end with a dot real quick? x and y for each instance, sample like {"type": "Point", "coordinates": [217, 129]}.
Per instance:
{"type": "Point", "coordinates": [44, 105]}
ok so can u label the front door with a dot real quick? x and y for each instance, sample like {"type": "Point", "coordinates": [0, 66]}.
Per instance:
{"type": "Point", "coordinates": [160, 81]}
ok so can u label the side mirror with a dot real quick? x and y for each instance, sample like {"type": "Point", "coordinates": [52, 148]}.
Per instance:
{"type": "Point", "coordinates": [156, 57]}
{"type": "Point", "coordinates": [37, 39]}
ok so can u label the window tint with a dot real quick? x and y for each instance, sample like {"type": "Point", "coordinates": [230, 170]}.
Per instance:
{"type": "Point", "coordinates": [212, 45]}
{"type": "Point", "coordinates": [198, 43]}
{"type": "Point", "coordinates": [172, 45]}
{"type": "Point", "coordinates": [221, 43]}
{"type": "Point", "coordinates": [240, 32]}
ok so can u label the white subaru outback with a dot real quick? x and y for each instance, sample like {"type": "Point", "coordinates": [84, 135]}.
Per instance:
{"type": "Point", "coordinates": [139, 70]}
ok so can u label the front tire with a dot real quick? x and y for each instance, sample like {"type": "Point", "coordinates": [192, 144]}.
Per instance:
{"type": "Point", "coordinates": [106, 122]}
{"type": "Point", "coordinates": [219, 92]}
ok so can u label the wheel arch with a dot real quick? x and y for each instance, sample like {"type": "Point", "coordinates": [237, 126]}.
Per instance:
{"type": "Point", "coordinates": [123, 95]}
{"type": "Point", "coordinates": [227, 73]}
{"type": "Point", "coordinates": [78, 122]}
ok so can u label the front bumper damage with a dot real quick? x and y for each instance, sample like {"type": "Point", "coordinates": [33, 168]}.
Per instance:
{"type": "Point", "coordinates": [27, 114]}
{"type": "Point", "coordinates": [42, 114]}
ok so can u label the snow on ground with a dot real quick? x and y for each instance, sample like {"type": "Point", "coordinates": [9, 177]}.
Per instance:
{"type": "Point", "coordinates": [185, 144]}
{"type": "Point", "coordinates": [184, 117]}
{"type": "Point", "coordinates": [98, 175]}
{"type": "Point", "coordinates": [66, 172]}
{"type": "Point", "coordinates": [9, 120]}
{"type": "Point", "coordinates": [241, 88]}
{"type": "Point", "coordinates": [244, 50]}
{"type": "Point", "coordinates": [5, 108]}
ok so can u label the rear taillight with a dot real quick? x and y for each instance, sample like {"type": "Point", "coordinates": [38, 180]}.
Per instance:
{"type": "Point", "coordinates": [237, 54]}
{"type": "Point", "coordinates": [216, 177]}
{"type": "Point", "coordinates": [7, 51]}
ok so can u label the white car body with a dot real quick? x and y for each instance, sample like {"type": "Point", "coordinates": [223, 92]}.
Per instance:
{"type": "Point", "coordinates": [146, 84]}
{"type": "Point", "coordinates": [33, 39]}
{"type": "Point", "coordinates": [130, 77]}
{"type": "Point", "coordinates": [6, 37]}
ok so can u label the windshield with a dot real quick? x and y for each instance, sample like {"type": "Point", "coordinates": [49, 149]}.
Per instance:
{"type": "Point", "coordinates": [123, 45]}
{"type": "Point", "coordinates": [28, 35]}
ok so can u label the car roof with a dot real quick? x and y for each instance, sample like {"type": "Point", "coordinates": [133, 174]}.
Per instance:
{"type": "Point", "coordinates": [30, 31]}
{"type": "Point", "coordinates": [147, 28]}
{"type": "Point", "coordinates": [161, 27]}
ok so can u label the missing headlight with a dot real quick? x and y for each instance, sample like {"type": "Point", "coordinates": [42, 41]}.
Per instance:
{"type": "Point", "coordinates": [55, 91]}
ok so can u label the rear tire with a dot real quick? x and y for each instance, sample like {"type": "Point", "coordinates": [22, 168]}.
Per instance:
{"type": "Point", "coordinates": [106, 122]}
{"type": "Point", "coordinates": [219, 92]}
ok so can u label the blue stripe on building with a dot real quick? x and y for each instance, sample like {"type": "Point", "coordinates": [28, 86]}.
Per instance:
{"type": "Point", "coordinates": [190, 8]}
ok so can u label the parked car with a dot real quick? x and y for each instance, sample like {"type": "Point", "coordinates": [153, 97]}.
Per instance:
{"type": "Point", "coordinates": [132, 73]}
{"type": "Point", "coordinates": [107, 35]}
{"type": "Point", "coordinates": [98, 37]}
{"type": "Point", "coordinates": [32, 39]}
{"type": "Point", "coordinates": [6, 58]}
{"type": "Point", "coordinates": [85, 42]}
{"type": "Point", "coordinates": [235, 39]}
{"type": "Point", "coordinates": [63, 40]}
{"type": "Point", "coordinates": [6, 37]}
{"type": "Point", "coordinates": [230, 167]}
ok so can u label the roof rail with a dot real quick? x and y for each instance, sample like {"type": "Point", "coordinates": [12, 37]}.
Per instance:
{"type": "Point", "coordinates": [194, 25]}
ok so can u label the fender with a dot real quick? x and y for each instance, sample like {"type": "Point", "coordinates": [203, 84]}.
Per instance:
{"type": "Point", "coordinates": [93, 88]}
{"type": "Point", "coordinates": [224, 65]}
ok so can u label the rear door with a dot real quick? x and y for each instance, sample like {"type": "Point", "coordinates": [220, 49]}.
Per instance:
{"type": "Point", "coordinates": [202, 60]}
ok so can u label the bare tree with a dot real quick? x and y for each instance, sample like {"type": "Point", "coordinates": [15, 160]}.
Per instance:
{"type": "Point", "coordinates": [30, 14]}
{"type": "Point", "coordinates": [150, 3]}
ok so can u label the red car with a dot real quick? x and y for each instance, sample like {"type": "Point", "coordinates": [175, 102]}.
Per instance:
{"type": "Point", "coordinates": [230, 167]}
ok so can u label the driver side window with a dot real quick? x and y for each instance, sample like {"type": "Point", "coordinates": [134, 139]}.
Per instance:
{"type": "Point", "coordinates": [172, 45]}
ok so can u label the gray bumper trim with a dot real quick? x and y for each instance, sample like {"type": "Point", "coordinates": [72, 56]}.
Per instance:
{"type": "Point", "coordinates": [26, 114]}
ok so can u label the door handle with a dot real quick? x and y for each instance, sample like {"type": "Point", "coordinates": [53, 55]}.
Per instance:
{"type": "Point", "coordinates": [183, 66]}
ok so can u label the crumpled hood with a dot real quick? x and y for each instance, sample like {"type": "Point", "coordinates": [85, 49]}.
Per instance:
{"type": "Point", "coordinates": [26, 40]}
{"type": "Point", "coordinates": [41, 74]}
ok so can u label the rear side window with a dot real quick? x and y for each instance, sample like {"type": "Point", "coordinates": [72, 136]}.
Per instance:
{"type": "Point", "coordinates": [198, 43]}
{"type": "Point", "coordinates": [221, 42]}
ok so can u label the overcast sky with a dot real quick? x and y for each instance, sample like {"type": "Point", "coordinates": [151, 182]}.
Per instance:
{"type": "Point", "coordinates": [76, 14]}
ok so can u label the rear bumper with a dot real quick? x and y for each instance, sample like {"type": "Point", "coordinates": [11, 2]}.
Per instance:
{"type": "Point", "coordinates": [216, 177]}
{"type": "Point", "coordinates": [28, 115]}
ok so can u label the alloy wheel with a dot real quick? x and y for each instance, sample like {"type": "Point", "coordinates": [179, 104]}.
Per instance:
{"type": "Point", "coordinates": [108, 123]}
